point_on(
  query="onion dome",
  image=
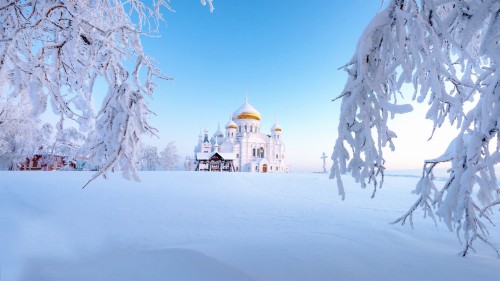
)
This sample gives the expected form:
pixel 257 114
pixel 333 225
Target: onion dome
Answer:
pixel 218 133
pixel 231 124
pixel 246 111
pixel 276 127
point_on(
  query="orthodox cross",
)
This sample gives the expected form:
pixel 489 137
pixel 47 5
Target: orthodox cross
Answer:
pixel 323 156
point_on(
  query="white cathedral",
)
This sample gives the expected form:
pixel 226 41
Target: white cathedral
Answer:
pixel 243 148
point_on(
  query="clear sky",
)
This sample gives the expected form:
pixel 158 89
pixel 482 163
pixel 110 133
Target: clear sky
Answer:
pixel 286 54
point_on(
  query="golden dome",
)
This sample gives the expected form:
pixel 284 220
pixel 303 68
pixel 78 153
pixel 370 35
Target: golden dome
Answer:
pixel 249 115
pixel 276 127
pixel 246 111
pixel 231 124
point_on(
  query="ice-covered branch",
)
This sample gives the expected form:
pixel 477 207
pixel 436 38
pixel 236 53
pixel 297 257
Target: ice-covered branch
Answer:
pixel 425 189
pixel 54 51
pixel 394 49
pixel 449 51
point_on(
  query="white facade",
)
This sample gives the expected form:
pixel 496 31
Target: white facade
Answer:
pixel 243 141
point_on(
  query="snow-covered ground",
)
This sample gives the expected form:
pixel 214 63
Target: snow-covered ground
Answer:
pixel 222 226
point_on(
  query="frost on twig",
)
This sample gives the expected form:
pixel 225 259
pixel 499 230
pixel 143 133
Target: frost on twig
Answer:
pixel 425 189
pixel 449 52
pixel 54 51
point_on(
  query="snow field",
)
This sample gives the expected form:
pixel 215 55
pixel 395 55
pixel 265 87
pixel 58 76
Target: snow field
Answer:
pixel 222 226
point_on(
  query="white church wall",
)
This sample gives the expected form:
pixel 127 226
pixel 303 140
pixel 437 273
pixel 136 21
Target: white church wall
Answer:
pixel 252 148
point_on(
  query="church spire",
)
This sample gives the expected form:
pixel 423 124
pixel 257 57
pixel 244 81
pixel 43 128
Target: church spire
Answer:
pixel 276 128
pixel 231 124
pixel 206 135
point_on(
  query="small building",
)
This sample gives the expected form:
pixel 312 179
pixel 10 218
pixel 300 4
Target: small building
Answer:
pixel 42 163
pixel 215 162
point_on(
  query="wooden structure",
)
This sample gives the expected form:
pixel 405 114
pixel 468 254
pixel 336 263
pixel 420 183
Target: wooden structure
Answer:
pixel 215 162
pixel 42 163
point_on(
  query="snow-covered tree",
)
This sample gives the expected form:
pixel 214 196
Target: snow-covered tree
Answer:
pixel 449 51
pixel 20 136
pixel 188 164
pixel 67 144
pixel 169 157
pixel 55 50
pixel 149 159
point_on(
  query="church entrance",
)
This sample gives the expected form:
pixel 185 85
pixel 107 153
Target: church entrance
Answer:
pixel 264 168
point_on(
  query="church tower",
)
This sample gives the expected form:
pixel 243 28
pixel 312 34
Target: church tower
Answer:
pixel 231 128
pixel 248 119
pixel 206 146
pixel 276 131
pixel 218 136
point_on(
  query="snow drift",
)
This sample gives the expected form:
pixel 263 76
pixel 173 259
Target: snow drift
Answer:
pixel 221 226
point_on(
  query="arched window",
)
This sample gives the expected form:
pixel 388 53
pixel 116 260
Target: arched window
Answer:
pixel 246 129
pixel 251 129
pixel 239 129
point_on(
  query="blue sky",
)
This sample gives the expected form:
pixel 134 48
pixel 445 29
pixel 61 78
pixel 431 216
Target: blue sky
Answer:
pixel 286 54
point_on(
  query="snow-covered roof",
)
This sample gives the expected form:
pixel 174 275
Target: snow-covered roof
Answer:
pixel 228 156
pixel 246 111
pixel 206 156
pixel 203 156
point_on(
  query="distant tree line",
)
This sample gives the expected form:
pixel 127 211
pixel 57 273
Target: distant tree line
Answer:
pixel 23 137
pixel 166 160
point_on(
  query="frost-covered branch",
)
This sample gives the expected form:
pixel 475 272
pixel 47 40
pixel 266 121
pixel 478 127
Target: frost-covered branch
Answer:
pixel 55 51
pixel 449 51
pixel 425 188
pixel 20 137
